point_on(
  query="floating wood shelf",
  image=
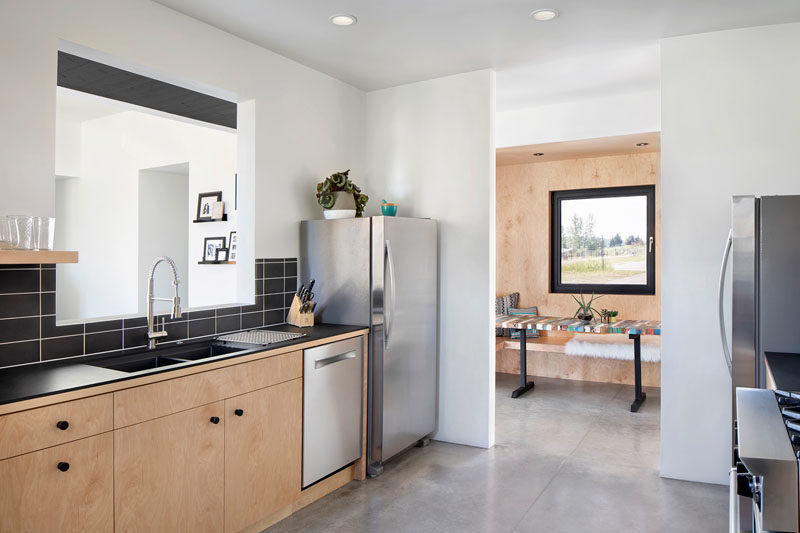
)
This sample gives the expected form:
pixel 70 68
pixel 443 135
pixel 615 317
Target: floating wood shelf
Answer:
pixel 223 219
pixel 216 262
pixel 35 257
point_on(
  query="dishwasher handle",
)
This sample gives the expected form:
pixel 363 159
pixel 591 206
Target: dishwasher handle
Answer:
pixel 325 361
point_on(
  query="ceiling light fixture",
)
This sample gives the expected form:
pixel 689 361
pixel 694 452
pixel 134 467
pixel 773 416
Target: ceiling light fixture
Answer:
pixel 543 15
pixel 343 19
pixel 642 144
pixel 537 154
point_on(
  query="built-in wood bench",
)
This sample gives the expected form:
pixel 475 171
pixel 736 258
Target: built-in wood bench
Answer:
pixel 550 359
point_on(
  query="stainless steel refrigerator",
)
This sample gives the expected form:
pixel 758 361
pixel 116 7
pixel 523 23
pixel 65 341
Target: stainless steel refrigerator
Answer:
pixel 382 272
pixel 763 251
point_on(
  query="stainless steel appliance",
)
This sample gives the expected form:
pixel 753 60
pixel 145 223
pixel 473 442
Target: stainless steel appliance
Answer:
pixel 764 481
pixel 382 272
pixel 763 256
pixel 332 393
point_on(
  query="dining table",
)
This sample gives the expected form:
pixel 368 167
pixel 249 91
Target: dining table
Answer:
pixel 633 328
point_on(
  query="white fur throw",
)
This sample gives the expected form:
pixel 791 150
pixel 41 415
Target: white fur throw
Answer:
pixel 605 350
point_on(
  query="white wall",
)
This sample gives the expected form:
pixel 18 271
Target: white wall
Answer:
pixel 114 149
pixel 430 148
pixel 592 118
pixel 730 117
pixel 307 126
pixel 164 217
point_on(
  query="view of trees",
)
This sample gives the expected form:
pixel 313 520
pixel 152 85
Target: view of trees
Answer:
pixel 580 237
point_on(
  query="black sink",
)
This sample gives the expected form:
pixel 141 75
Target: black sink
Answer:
pixel 165 356
pixel 136 363
pixel 199 350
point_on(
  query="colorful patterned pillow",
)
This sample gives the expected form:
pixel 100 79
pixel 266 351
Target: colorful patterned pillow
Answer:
pixel 502 304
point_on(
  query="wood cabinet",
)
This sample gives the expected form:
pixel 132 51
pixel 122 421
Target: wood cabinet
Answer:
pixel 216 449
pixel 169 472
pixel 34 429
pixel 65 488
pixel 263 453
pixel 146 402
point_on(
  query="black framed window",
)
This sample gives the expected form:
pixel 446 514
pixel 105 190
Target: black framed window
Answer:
pixel 603 240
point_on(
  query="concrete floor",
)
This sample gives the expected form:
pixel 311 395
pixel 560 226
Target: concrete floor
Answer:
pixel 570 457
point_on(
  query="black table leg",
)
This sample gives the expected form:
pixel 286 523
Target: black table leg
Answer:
pixel 524 384
pixel 637 369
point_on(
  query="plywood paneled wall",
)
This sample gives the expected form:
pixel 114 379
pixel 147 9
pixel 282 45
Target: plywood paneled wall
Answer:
pixel 523 227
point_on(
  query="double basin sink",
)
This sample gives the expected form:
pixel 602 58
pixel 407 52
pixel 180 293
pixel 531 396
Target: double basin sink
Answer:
pixel 167 356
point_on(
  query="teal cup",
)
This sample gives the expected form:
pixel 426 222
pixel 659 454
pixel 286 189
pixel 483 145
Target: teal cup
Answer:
pixel 389 210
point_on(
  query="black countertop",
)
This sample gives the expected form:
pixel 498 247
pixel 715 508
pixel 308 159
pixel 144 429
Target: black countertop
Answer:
pixel 785 370
pixel 41 379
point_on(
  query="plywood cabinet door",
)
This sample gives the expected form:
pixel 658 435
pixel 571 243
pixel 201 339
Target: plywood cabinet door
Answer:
pixel 169 472
pixel 64 488
pixel 263 453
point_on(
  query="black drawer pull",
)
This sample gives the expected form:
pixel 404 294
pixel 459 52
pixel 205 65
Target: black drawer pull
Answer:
pixel 214 420
pixel 63 466
pixel 62 425
pixel 239 412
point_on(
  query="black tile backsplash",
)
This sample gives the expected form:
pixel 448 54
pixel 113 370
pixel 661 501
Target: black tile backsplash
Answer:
pixel 62 347
pixel 15 281
pixel 16 305
pixel 28 330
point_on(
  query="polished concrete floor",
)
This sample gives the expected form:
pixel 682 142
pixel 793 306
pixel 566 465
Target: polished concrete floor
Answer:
pixel 570 457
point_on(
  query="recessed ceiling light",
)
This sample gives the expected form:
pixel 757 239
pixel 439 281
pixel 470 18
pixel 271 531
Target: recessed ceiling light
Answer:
pixel 343 19
pixel 543 15
pixel 537 154
pixel 642 144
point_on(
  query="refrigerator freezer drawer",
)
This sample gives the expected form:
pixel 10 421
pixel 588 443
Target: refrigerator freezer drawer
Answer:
pixel 332 403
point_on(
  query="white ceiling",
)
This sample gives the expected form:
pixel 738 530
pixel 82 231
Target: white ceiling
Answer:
pixel 596 47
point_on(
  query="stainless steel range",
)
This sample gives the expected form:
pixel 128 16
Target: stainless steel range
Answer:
pixel 764 482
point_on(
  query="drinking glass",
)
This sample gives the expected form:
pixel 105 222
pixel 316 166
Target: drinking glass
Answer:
pixel 9 233
pixel 24 225
pixel 44 233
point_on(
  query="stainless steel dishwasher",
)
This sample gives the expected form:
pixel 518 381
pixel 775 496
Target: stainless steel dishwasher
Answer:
pixel 332 407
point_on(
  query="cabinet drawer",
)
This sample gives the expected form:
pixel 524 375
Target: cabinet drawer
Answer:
pixel 146 402
pixel 41 493
pixel 39 428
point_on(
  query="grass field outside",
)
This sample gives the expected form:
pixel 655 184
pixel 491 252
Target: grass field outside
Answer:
pixel 626 268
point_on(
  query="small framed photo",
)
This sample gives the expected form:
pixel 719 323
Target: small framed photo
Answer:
pixel 232 247
pixel 217 210
pixel 210 247
pixel 205 204
pixel 222 255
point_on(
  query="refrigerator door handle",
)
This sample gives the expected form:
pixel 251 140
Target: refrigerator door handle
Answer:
pixel 726 352
pixel 389 316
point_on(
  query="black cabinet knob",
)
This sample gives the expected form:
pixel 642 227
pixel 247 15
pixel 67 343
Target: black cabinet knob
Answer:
pixel 215 420
pixel 62 425
pixel 239 412
pixel 63 466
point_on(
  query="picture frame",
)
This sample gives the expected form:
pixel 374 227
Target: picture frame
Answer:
pixel 232 247
pixel 217 210
pixel 205 201
pixel 221 255
pixel 210 247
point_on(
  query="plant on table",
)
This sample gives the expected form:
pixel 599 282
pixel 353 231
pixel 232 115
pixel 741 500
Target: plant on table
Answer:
pixel 340 182
pixel 585 310
pixel 612 316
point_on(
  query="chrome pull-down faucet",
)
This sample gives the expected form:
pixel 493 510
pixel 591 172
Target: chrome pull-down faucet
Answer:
pixel 152 334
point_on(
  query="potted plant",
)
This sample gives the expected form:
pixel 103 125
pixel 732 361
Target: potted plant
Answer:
pixel 585 310
pixel 612 316
pixel 336 188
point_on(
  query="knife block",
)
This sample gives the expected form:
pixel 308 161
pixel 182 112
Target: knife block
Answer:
pixel 296 318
